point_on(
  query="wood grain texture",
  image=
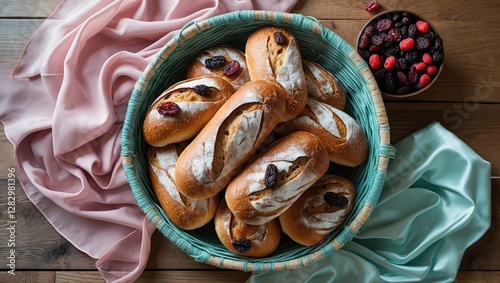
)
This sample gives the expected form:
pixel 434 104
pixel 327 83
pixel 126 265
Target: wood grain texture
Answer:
pixel 465 99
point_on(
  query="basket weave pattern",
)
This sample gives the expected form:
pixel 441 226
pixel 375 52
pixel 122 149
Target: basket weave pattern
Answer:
pixel 317 43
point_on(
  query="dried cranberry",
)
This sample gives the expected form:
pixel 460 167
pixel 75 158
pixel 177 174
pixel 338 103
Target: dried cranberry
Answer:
pixel 413 75
pixel 377 40
pixel 231 68
pixel 370 30
pixel 215 62
pixel 384 25
pixel 373 49
pixel 202 90
pixel 168 108
pixel 422 43
pixel 403 90
pixel 395 34
pixel 271 176
pixel 412 31
pixel 364 40
pixel 402 78
pixel 405 21
pixel 335 199
pixel 242 245
pixel 372 6
pixel 280 38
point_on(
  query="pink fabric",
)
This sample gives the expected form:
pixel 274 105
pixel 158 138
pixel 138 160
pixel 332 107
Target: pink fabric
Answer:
pixel 63 109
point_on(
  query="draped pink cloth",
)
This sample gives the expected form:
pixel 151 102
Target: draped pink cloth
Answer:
pixel 63 107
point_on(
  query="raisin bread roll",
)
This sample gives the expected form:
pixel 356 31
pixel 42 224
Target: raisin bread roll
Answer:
pixel 319 211
pixel 233 135
pixel 182 110
pixel 222 61
pixel 243 239
pixel 323 86
pixel 276 177
pixel 184 212
pixel 273 54
pixel 342 135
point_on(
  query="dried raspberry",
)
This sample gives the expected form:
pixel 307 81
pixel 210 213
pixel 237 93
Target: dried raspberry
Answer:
pixel 374 61
pixel 425 79
pixel 422 26
pixel 406 44
pixel 389 62
pixel 231 68
pixel 168 108
pixel 431 69
pixel 420 66
pixel 427 58
pixel 372 6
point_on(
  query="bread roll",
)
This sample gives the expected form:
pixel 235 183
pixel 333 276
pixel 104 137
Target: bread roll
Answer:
pixel 214 60
pixel 276 177
pixel 342 135
pixel 184 212
pixel 320 210
pixel 243 239
pixel 323 86
pixel 209 163
pixel 273 54
pixel 195 101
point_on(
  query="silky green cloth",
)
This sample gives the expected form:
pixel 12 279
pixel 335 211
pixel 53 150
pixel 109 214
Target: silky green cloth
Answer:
pixel 435 203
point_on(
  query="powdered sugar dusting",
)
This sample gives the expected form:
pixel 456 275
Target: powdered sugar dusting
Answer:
pixel 290 75
pixel 323 223
pixel 202 163
pixel 326 114
pixel 324 82
pixel 167 159
pixel 188 109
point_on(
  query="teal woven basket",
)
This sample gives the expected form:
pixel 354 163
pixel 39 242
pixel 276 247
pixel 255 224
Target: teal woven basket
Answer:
pixel 317 43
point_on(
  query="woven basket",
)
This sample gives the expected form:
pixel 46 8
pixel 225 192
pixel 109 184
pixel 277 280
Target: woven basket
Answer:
pixel 317 43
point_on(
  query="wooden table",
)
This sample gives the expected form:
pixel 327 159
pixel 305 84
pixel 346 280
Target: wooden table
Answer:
pixel 466 100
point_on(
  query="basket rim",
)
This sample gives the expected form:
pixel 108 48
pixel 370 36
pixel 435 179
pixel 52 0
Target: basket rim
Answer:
pixel 385 153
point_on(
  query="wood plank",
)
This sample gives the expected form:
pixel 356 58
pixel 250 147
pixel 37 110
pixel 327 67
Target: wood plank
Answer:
pixel 483 255
pixel 171 276
pixel 449 10
pixel 478 276
pixel 14 35
pixel 479 128
pixel 321 9
pixel 27 8
pixel 29 277
pixel 50 251
pixel 471 66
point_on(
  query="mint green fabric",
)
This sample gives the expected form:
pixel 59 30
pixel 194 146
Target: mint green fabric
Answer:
pixel 435 203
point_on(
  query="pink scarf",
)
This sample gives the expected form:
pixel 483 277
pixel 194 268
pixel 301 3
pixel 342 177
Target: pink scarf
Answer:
pixel 63 110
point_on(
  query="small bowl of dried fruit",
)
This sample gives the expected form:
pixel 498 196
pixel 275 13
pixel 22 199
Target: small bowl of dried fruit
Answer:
pixel 403 50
